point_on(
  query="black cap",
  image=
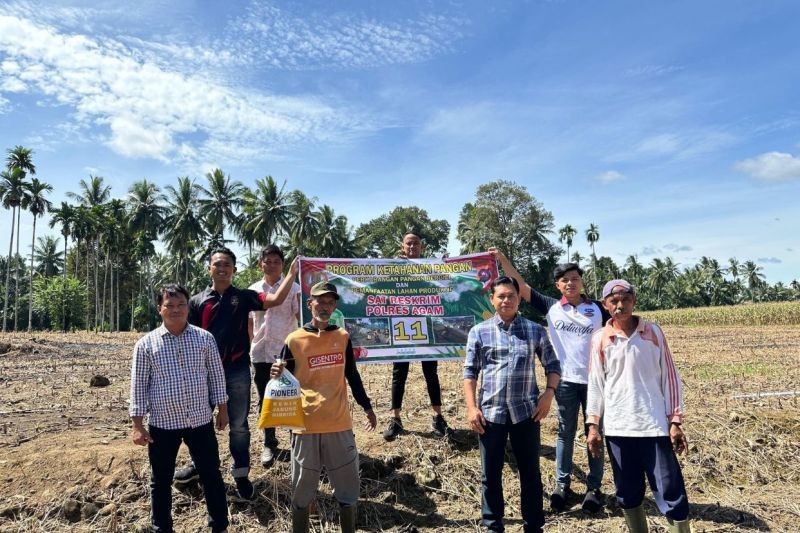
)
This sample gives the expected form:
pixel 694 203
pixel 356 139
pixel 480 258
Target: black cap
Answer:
pixel 563 268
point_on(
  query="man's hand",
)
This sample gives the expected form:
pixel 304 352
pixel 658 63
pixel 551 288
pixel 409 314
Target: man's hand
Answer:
pixel 679 443
pixel 276 369
pixel 594 441
pixel 372 420
pixel 476 420
pixel 222 416
pixel 141 436
pixel 498 255
pixel 543 404
pixel 294 267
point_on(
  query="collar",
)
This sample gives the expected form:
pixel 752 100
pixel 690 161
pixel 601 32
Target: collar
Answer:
pixel 162 330
pixel 614 331
pixel 584 300
pixel 309 326
pixel 499 321
pixel 267 284
pixel 210 290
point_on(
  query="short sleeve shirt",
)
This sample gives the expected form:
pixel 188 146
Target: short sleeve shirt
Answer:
pixel 225 316
pixel 272 326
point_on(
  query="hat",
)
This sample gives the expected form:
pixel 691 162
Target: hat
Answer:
pixel 324 287
pixel 563 268
pixel 616 286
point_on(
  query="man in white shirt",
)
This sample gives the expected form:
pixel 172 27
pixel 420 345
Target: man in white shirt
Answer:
pixel 636 390
pixel 268 331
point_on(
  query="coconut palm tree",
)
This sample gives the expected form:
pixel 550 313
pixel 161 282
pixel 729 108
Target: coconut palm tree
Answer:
pixel 754 277
pixel 12 191
pixel 305 224
pixel 21 158
pixel 267 211
pixel 592 236
pixel 576 257
pixel 49 260
pixel 565 235
pixel 37 204
pixel 223 199
pixel 146 209
pixel 182 227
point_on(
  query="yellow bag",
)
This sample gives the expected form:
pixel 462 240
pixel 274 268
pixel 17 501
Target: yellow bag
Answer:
pixel 282 407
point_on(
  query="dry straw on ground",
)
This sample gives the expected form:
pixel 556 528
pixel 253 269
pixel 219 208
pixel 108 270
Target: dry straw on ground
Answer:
pixel 67 462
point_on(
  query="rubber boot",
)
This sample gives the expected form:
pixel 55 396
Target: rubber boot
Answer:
pixel 636 520
pixel 679 526
pixel 347 518
pixel 299 520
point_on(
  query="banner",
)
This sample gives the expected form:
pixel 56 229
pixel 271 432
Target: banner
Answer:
pixel 405 309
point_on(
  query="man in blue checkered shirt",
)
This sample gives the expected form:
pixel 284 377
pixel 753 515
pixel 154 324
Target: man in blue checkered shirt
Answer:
pixel 177 379
pixel 503 349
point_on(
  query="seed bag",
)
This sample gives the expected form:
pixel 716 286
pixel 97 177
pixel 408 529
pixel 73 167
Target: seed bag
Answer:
pixel 282 405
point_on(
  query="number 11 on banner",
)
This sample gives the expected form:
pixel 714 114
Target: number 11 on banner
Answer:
pixel 410 331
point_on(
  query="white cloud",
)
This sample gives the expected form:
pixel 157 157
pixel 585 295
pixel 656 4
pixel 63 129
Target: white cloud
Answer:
pixel 770 260
pixel 650 250
pixel 771 166
pixel 147 110
pixel 677 247
pixel 610 176
pixel 664 144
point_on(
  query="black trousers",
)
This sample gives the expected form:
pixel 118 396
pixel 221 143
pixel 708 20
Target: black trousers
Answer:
pixel 400 375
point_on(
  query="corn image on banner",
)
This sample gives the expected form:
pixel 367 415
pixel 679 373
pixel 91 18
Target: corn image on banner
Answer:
pixel 405 309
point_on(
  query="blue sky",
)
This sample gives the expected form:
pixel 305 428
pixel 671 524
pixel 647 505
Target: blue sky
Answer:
pixel 674 126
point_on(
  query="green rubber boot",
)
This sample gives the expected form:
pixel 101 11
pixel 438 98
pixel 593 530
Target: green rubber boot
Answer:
pixel 636 520
pixel 679 526
pixel 347 518
pixel 299 520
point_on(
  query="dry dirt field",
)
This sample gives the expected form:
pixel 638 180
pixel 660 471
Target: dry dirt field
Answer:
pixel 67 462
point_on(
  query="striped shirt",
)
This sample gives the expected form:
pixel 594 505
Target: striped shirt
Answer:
pixel 176 379
pixel 633 383
pixel 505 356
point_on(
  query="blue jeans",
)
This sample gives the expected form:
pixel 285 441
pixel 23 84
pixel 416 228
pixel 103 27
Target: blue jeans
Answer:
pixel 237 384
pixel 202 444
pixel 525 442
pixel 571 397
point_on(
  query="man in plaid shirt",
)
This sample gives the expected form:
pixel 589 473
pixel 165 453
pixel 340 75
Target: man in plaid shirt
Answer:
pixel 176 379
pixel 503 349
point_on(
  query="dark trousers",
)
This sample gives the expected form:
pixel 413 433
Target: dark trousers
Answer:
pixel 400 375
pixel 525 441
pixel 261 378
pixel 163 451
pixel 635 458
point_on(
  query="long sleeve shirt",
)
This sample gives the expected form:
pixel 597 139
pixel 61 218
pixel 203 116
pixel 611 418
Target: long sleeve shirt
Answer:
pixel 571 328
pixel 322 361
pixel 176 379
pixel 634 385
pixel 505 356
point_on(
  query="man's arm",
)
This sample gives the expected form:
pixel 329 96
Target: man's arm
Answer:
pixel 357 386
pixel 595 400
pixel 672 390
pixel 552 368
pixel 140 380
pixel 540 302
pixel 275 299
pixel 472 368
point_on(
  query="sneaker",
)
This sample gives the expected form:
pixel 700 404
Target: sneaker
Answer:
pixel 558 499
pixel 244 489
pixel 394 428
pixel 593 501
pixel 185 475
pixel 267 457
pixel 439 426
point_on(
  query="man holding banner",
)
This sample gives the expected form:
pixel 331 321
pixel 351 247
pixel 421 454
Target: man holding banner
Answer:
pixel 412 248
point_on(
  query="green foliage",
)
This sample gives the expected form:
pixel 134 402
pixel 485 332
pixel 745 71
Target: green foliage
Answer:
pixel 60 302
pixel 382 236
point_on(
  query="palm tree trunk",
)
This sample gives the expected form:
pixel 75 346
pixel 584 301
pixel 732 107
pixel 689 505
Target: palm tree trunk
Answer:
pixel 30 299
pixel 103 296
pixel 88 309
pixel 96 248
pixel 64 287
pixel 16 277
pixel 8 269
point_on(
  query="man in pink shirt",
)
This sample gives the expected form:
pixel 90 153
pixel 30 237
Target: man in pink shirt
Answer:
pixel 635 389
pixel 268 332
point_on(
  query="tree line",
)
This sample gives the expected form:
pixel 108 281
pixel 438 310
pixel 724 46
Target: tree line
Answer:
pixel 98 271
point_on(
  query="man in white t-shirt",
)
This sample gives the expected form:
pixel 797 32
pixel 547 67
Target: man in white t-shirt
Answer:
pixel 268 331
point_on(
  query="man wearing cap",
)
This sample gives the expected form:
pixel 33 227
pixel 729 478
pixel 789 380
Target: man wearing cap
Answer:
pixel 571 321
pixel 635 390
pixel 268 332
pixel 320 355
pixel 503 351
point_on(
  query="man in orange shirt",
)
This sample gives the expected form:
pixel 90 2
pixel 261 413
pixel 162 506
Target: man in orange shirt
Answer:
pixel 320 355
